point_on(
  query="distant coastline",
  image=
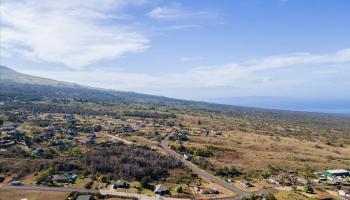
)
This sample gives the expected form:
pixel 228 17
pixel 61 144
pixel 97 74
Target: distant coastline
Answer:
pixel 334 106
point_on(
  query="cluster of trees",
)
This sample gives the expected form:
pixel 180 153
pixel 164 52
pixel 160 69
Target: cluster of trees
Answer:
pixel 41 122
pixel 260 197
pixel 204 163
pixel 15 117
pixel 128 162
pixel 56 108
pixel 88 129
pixel 207 151
pixel 181 136
pixel 149 114
pixel 231 172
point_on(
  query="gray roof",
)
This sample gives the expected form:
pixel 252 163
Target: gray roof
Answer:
pixel 336 171
pixel 160 188
pixel 84 197
pixel 60 177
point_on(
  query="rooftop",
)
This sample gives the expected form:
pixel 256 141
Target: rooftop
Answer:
pixel 335 171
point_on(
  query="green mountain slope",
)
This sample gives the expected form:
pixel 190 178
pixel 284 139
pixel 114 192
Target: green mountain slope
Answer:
pixel 21 92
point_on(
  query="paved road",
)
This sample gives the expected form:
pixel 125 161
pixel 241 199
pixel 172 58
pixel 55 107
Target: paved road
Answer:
pixel 102 192
pixel 113 137
pixel 44 188
pixel 138 196
pixel 203 174
pixel 209 177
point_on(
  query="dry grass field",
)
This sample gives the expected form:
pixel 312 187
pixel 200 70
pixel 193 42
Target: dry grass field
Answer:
pixel 31 195
pixel 256 151
pixel 257 144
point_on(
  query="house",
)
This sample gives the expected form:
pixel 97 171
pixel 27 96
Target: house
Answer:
pixel 60 144
pixel 246 183
pixel 208 191
pixel 91 135
pixel 304 181
pixel 64 178
pixel 60 178
pixel 274 181
pixel 90 140
pixel 119 184
pixel 38 152
pixel 10 127
pixel 6 143
pixel 187 157
pixel 321 178
pixel 214 191
pixel 44 136
pixel 85 197
pixel 344 193
pixel 337 173
pixel 160 189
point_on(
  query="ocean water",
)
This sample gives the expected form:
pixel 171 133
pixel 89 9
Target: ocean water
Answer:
pixel 322 105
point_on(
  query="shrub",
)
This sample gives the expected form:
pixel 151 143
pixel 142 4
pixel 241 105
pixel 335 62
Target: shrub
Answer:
pixel 43 175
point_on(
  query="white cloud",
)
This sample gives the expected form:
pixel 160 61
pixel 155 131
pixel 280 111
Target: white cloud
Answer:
pixel 279 61
pixel 257 77
pixel 179 27
pixel 75 33
pixel 175 11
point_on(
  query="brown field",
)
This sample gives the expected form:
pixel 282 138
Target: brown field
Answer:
pixel 290 195
pixel 31 195
pixel 255 151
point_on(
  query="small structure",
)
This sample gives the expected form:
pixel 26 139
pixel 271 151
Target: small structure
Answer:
pixel 337 173
pixel 274 181
pixel 38 152
pixel 2 179
pixel 321 178
pixel 344 193
pixel 246 183
pixel 85 197
pixel 187 157
pixel 208 191
pixel 6 143
pixel 16 183
pixel 60 178
pixel 120 184
pixel 64 178
pixel 303 181
pixel 160 189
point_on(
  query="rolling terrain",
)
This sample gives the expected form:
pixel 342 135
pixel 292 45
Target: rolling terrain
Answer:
pixel 49 128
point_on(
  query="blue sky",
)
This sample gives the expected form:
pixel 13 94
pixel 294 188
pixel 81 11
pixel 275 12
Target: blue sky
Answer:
pixel 200 49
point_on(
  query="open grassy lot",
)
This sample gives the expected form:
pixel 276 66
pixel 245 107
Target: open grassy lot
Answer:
pixel 252 151
pixel 290 195
pixel 31 195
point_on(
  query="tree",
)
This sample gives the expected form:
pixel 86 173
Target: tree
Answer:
pixel 43 175
pixel 309 189
pixel 145 182
pixel 270 197
pixel 260 197
pixel 88 185
pixel 179 189
pixel 103 179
